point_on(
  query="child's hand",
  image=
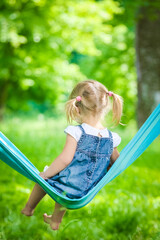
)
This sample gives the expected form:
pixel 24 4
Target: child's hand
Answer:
pixel 42 174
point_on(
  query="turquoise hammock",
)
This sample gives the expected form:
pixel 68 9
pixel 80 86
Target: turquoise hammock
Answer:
pixel 150 130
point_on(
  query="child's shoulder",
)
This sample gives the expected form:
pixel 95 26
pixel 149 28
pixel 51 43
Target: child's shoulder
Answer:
pixel 72 127
pixel 115 135
pixel 74 131
pixel 116 139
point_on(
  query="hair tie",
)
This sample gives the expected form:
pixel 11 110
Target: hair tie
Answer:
pixel 110 94
pixel 78 98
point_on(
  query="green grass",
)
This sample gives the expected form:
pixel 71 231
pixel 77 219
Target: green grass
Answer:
pixel 127 208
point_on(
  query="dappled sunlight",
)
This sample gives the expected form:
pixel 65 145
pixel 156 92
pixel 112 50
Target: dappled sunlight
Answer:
pixel 22 189
pixel 154 202
pixel 98 200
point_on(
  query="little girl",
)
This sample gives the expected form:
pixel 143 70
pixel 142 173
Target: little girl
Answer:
pixel 89 151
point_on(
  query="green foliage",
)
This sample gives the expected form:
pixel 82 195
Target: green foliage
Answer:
pixel 39 41
pixel 48 46
pixel 127 208
pixel 34 53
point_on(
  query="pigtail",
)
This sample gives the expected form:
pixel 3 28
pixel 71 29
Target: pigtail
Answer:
pixel 117 108
pixel 71 110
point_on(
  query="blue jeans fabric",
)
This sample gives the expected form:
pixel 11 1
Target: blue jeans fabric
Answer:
pixel 88 167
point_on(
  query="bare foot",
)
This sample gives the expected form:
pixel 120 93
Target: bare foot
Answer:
pixel 47 218
pixel 53 225
pixel 27 211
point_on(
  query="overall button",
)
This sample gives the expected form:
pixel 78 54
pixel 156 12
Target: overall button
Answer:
pixel 88 172
pixel 93 159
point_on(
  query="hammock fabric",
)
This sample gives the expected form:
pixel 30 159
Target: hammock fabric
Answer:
pixel 150 130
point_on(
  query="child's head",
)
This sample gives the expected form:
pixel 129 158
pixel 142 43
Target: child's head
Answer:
pixel 93 100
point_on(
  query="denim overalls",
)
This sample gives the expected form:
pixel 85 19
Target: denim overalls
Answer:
pixel 88 166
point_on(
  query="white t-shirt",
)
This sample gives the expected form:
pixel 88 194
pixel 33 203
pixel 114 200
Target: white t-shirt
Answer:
pixel 76 132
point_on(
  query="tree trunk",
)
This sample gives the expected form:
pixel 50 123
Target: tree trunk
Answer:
pixel 148 64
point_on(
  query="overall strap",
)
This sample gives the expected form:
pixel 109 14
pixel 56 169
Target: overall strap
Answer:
pixel 82 129
pixel 110 134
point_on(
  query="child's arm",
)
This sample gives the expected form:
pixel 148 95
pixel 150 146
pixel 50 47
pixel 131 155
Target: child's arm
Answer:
pixel 114 157
pixel 63 160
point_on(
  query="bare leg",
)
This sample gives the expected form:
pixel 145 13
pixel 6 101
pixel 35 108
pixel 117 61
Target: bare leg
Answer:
pixel 36 195
pixel 56 218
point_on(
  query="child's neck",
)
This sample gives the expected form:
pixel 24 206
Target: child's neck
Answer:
pixel 94 123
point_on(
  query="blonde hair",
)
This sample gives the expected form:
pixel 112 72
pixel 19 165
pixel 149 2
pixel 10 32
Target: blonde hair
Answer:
pixel 94 100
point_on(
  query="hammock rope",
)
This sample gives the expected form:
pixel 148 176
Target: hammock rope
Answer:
pixel 149 131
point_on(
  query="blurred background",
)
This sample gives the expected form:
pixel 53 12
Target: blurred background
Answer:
pixel 46 47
